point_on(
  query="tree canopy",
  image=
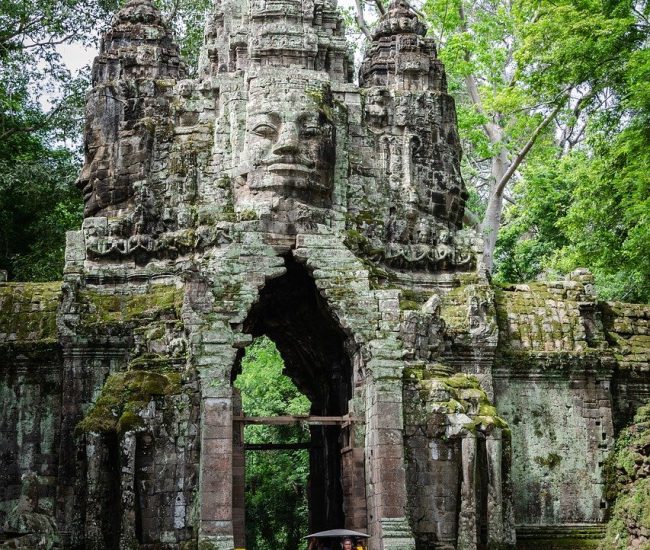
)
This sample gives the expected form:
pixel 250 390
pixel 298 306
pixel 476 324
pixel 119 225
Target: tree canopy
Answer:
pixel 553 111
pixel 40 110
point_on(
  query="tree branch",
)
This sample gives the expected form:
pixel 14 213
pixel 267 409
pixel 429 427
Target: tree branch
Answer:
pixel 34 127
pixel 361 20
pixel 498 190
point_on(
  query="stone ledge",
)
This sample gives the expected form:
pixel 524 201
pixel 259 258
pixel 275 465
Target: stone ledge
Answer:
pixel 559 537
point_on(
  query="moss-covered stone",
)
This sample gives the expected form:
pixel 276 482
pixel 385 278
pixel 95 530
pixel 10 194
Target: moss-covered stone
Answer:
pixel 462 381
pixel 123 396
pixel 627 484
pixel 28 311
pixel 460 393
pixel 111 309
pixel 406 305
pixel 550 461
pixel 151 361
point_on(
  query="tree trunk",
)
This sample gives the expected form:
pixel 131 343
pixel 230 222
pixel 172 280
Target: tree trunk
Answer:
pixel 502 171
pixel 492 219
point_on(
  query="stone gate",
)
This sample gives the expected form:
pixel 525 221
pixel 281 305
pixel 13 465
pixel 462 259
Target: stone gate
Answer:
pixel 273 195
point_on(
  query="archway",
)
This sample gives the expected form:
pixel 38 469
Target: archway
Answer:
pixel 276 454
pixel 291 312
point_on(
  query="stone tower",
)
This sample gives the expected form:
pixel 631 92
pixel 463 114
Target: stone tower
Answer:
pixel 274 196
pixel 271 195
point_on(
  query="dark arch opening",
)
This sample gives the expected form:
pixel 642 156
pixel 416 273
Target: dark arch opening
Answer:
pixel 276 458
pixel 291 312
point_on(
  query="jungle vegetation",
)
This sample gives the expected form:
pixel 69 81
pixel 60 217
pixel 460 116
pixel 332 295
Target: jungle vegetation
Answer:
pixel 276 481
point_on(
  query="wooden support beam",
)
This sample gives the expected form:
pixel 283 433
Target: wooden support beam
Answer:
pixel 297 419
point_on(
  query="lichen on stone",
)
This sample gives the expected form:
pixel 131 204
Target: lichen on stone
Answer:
pixel 123 396
pixel 627 484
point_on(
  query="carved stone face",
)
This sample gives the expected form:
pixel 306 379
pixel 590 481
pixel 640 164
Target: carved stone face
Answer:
pixel 100 188
pixel 88 183
pixel 112 163
pixel 288 146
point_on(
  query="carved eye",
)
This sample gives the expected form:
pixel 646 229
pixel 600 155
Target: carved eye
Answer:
pixel 311 131
pixel 265 130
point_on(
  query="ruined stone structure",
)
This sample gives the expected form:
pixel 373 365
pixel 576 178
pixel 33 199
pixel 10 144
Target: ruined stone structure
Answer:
pixel 272 195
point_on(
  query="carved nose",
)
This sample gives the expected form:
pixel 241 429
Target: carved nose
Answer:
pixel 288 142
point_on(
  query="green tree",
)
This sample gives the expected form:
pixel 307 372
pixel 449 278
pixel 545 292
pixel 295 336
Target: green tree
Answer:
pixel 528 77
pixel 588 204
pixel 550 99
pixel 40 124
pixel 276 481
pixel 38 203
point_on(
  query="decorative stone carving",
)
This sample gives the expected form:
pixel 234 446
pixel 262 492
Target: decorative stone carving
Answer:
pixel 289 148
pixel 136 54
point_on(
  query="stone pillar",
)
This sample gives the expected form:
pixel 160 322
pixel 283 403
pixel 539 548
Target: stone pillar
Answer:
pixel 238 477
pixel 216 474
pixel 501 529
pixel 443 466
pixel 467 517
pixel 387 523
pixel 95 520
pixel 354 488
pixel 494 451
pixel 128 446
pixel 214 357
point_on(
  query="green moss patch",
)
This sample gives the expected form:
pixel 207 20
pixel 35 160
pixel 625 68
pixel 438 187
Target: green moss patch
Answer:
pixel 627 481
pixel 407 305
pixel 460 393
pixel 28 311
pixel 111 309
pixel 550 461
pixel 123 396
pixel 462 381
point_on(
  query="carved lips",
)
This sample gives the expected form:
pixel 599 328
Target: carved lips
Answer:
pixel 292 166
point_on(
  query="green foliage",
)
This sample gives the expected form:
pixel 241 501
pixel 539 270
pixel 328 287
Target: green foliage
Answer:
pixel 589 209
pixel 276 481
pixel 38 204
pixel 627 483
pixel 40 109
pixel 580 199
pixel 592 207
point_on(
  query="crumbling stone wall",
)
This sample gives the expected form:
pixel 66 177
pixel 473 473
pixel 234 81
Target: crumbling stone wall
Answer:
pixel 30 393
pixel 627 329
pixel 558 378
pixel 626 476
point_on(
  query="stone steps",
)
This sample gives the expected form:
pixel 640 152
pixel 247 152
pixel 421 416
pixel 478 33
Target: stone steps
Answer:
pixel 559 537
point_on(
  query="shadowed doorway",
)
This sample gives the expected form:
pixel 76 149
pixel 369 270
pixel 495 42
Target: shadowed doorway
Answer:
pixel 292 314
